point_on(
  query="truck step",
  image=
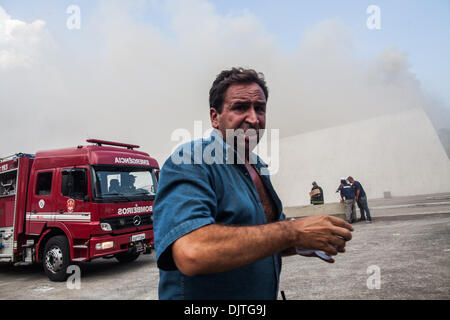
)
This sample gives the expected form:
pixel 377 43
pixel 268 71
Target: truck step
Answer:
pixel 80 246
pixel 22 263
pixel 79 259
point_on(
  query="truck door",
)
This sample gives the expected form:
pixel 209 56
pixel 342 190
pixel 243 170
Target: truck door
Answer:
pixel 42 206
pixel 8 183
pixel 73 200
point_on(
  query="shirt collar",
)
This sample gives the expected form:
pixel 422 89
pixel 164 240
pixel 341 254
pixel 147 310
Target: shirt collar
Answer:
pixel 228 151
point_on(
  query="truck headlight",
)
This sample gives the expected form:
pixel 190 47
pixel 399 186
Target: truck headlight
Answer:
pixel 105 226
pixel 104 245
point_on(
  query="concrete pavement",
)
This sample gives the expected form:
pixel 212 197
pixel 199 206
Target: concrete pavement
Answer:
pixel 409 257
pixel 380 208
pixel 406 248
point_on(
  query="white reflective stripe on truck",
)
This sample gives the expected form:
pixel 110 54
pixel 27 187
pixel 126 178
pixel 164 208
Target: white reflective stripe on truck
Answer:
pixel 52 216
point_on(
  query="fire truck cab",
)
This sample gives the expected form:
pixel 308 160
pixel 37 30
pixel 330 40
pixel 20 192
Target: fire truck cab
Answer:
pixel 62 207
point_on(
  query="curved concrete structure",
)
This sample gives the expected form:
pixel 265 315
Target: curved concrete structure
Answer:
pixel 398 153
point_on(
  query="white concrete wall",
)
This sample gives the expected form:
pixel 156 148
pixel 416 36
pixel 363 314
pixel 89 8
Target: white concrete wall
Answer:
pixel 400 153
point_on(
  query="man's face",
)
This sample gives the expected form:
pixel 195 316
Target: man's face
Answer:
pixel 350 180
pixel 244 107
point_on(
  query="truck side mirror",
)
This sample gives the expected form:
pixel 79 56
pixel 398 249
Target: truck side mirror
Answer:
pixel 157 174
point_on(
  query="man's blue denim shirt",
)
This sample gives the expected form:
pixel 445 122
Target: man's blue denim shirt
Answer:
pixel 196 193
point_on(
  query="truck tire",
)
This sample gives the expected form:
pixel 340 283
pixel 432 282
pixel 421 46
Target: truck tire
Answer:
pixel 56 258
pixel 124 257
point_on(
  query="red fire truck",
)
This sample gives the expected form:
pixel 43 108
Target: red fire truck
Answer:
pixel 66 206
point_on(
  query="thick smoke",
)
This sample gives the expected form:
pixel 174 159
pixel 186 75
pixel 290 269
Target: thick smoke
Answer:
pixel 135 83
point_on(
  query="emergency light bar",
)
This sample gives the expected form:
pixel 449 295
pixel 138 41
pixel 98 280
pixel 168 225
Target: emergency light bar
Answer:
pixel 17 155
pixel 111 143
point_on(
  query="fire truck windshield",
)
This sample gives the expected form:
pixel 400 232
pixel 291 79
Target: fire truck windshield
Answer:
pixel 118 183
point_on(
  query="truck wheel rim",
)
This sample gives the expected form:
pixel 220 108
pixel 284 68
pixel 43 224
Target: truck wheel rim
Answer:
pixel 54 260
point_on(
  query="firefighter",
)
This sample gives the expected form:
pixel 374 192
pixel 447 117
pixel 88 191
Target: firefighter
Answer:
pixel 348 199
pixel 114 186
pixel 128 183
pixel 316 194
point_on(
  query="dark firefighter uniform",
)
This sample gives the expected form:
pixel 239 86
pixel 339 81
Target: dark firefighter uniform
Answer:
pixel 318 197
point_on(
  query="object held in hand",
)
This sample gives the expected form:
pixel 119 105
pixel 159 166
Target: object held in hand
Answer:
pixel 308 253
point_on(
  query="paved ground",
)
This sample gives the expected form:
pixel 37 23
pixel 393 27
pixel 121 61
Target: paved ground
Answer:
pixel 412 257
pixel 100 279
pixel 408 243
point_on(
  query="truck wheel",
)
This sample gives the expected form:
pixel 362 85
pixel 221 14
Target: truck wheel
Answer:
pixel 56 258
pixel 127 256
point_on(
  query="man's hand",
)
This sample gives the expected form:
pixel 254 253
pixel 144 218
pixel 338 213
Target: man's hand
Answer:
pixel 218 248
pixel 322 232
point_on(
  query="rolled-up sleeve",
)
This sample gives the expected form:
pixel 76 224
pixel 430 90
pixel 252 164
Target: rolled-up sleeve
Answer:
pixel 185 201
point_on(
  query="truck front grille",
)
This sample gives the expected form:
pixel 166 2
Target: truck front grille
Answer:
pixel 126 222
